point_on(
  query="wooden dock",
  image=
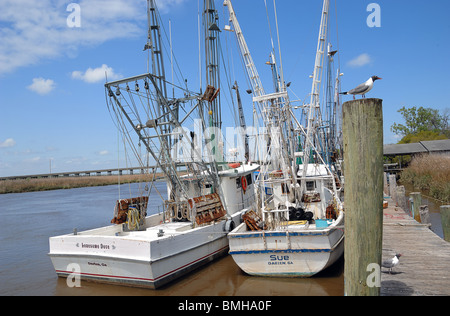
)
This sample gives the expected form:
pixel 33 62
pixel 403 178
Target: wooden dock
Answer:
pixel 424 268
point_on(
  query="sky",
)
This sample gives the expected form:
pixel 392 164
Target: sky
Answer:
pixel 54 55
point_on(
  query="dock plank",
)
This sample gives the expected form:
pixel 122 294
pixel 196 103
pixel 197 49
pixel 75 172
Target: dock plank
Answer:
pixel 424 267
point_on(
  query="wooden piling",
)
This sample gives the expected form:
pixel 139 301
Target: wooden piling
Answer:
pixel 386 185
pixel 416 202
pixel 363 162
pixel 401 197
pixel 393 187
pixel 445 219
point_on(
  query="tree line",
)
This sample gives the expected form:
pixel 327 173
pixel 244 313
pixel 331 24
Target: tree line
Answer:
pixel 422 124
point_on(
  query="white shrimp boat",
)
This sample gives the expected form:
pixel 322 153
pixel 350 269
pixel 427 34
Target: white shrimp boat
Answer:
pixel 296 248
pixel 162 249
pixel 297 228
pixel 206 196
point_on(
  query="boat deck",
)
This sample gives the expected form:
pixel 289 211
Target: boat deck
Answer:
pixel 424 267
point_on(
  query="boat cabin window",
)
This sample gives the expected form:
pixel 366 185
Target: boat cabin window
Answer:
pixel 310 185
pixel 249 179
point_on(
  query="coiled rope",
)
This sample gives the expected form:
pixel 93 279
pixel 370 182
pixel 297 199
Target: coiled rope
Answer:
pixel 133 218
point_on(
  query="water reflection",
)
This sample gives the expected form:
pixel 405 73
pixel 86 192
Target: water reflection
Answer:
pixel 224 278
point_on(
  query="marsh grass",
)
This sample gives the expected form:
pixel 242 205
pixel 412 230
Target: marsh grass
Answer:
pixel 430 173
pixel 44 184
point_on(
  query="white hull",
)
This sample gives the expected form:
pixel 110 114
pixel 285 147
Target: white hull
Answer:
pixel 139 258
pixel 286 253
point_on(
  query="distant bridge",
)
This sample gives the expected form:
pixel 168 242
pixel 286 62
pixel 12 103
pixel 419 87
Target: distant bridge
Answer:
pixel 102 172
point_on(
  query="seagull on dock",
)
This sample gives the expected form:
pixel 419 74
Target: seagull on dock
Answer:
pixel 391 263
pixel 363 88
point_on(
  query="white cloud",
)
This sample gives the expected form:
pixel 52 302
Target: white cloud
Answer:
pixel 164 6
pixel 8 143
pixel 32 31
pixel 103 153
pixel 42 86
pixel 96 74
pixel 360 61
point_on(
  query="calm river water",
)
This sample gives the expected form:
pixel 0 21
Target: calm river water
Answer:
pixel 29 219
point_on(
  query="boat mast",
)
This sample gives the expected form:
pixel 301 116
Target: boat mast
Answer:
pixel 158 71
pixel 314 115
pixel 155 47
pixel 154 44
pixel 213 115
pixel 243 125
pixel 269 104
pixel 331 105
pixel 252 72
pixel 288 145
pixel 275 112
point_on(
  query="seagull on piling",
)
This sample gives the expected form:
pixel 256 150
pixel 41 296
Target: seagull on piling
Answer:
pixel 363 88
pixel 391 263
